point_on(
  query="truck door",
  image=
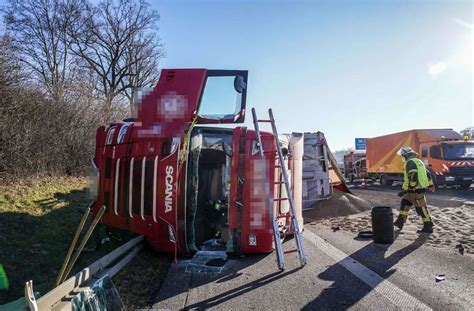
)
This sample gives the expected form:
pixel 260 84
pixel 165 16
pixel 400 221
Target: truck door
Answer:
pixel 199 95
pixel 236 201
pixel 181 99
pixel 258 195
pixel 224 97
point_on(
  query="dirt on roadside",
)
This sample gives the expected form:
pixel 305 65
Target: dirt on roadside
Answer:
pixel 141 279
pixel 453 219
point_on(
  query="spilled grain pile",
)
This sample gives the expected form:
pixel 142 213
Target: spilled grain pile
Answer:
pixel 340 204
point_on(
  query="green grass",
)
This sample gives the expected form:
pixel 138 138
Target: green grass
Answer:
pixel 37 223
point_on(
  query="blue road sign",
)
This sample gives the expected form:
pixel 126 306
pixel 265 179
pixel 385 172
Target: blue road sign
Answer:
pixel 360 143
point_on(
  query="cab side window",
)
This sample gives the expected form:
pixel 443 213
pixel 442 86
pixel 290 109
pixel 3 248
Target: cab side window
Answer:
pixel 435 152
pixel 424 152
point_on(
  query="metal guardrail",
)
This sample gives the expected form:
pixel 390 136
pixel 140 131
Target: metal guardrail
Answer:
pixel 53 299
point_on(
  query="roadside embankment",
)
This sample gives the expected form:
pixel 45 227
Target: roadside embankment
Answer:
pixel 38 219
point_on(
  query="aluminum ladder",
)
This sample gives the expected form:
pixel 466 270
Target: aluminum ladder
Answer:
pixel 294 221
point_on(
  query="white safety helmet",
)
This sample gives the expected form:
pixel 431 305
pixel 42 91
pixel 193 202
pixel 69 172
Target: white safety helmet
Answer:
pixel 406 151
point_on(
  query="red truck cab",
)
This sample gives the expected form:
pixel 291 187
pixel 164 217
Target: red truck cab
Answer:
pixel 181 184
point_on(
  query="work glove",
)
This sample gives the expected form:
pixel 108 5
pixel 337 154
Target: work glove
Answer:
pixel 401 193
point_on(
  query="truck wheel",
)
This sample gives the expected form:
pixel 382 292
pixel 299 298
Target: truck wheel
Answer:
pixel 384 180
pixel 465 186
pixel 434 179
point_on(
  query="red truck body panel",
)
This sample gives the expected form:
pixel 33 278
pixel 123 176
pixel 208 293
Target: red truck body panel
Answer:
pixel 143 168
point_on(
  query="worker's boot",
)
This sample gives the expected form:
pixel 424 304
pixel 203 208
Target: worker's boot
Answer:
pixel 399 222
pixel 427 227
pixel 402 217
pixel 427 223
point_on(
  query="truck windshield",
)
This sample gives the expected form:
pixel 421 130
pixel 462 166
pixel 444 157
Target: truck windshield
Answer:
pixel 220 100
pixel 458 151
pixel 223 98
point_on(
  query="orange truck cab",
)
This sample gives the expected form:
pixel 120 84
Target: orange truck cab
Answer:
pixel 448 156
pixel 355 166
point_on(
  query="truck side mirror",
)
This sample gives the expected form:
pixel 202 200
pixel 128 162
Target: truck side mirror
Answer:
pixel 239 84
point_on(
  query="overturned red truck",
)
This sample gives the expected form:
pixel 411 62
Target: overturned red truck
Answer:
pixel 181 184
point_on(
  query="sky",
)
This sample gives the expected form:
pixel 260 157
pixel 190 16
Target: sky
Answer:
pixel 346 68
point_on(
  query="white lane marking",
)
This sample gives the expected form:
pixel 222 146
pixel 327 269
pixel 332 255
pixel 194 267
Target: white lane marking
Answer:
pixel 393 293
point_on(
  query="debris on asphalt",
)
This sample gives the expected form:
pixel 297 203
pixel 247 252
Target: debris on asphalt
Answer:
pixel 460 248
pixel 440 277
pixel 331 287
pixel 334 229
pixel 216 262
pixel 456 220
pixel 207 262
pixel 212 242
pixel 365 234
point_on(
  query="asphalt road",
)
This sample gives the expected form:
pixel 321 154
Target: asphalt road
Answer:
pixel 343 272
pixel 442 197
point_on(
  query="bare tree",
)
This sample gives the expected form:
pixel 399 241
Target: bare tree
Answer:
pixel 78 54
pixel 11 71
pixel 142 60
pixel 39 30
pixel 107 36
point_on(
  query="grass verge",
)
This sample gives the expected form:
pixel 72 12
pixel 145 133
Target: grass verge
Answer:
pixel 38 219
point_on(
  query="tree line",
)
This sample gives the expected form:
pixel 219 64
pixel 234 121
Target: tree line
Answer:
pixel 67 67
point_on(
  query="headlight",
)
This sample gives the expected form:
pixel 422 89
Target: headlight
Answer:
pixel 94 181
pixel 252 239
pixel 449 178
pixel 171 236
pixel 122 132
pixel 174 144
pixel 110 135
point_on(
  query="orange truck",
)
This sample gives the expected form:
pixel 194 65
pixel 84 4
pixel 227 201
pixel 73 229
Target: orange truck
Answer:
pixel 355 166
pixel 448 156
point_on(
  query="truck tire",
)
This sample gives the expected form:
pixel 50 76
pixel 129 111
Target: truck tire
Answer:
pixel 434 178
pixel 384 181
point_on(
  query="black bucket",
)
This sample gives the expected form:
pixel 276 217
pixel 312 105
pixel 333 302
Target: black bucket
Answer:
pixel 382 225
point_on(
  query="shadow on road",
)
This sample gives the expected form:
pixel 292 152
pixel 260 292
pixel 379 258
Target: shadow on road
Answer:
pixel 178 282
pixel 245 288
pixel 372 255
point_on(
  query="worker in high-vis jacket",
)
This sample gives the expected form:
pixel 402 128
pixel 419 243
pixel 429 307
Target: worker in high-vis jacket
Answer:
pixel 417 181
